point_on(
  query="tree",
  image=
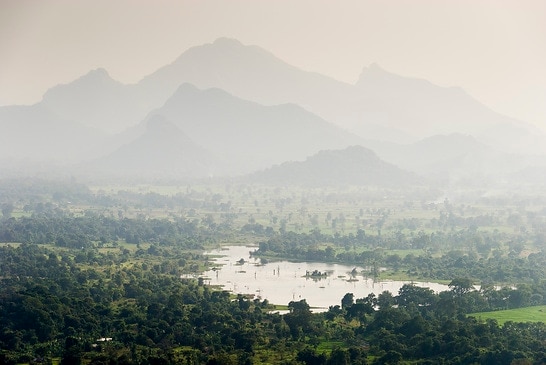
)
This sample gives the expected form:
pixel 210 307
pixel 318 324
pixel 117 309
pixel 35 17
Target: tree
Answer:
pixel 7 210
pixel 461 286
pixel 391 357
pixel 299 318
pixel 309 356
pixel 359 310
pixel 347 301
pixel 72 352
pixel 385 300
pixel 413 294
pixel 339 357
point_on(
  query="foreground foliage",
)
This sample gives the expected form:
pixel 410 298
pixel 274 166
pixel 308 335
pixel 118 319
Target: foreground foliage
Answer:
pixel 91 278
pixel 99 310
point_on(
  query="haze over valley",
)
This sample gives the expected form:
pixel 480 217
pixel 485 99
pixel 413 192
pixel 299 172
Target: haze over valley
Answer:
pixel 300 182
pixel 226 109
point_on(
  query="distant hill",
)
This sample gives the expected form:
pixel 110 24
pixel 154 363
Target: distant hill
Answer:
pixel 251 73
pixel 249 136
pixel 248 72
pixel 381 106
pixel 36 134
pixel 97 100
pixel 430 151
pixel 162 151
pixel 419 109
pixel 453 157
pixel 354 165
pixel 252 110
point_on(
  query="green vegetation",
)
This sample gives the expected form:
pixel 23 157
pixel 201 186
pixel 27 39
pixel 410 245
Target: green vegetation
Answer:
pixel 527 314
pixel 113 276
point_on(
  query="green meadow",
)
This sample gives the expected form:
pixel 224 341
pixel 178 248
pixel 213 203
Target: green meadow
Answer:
pixel 527 314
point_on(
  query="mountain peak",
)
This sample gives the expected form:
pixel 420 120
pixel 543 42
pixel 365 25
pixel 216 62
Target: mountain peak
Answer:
pixel 189 93
pixel 374 72
pixel 354 165
pixel 94 77
pixel 98 72
pixel 160 123
pixel 374 67
pixel 186 87
pixel 210 52
pixel 227 42
pixel 97 75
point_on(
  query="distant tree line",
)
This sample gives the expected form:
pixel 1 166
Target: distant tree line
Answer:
pixel 92 229
pixel 360 249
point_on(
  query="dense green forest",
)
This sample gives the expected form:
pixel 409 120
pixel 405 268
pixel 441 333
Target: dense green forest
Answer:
pixel 97 277
pixel 62 303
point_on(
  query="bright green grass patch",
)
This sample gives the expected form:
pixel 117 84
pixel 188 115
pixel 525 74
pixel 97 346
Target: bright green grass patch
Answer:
pixel 404 253
pixel 11 244
pixel 527 314
pixel 328 346
pixel 396 275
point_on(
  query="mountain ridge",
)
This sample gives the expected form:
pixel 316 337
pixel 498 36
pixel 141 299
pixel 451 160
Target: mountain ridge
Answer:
pixel 161 151
pixel 354 165
pixel 247 133
pixel 247 87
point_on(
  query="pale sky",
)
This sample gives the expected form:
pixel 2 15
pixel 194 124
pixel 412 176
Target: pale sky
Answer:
pixel 494 49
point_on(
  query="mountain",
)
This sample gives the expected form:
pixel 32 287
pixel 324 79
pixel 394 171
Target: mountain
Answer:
pixel 381 105
pixel 248 72
pixel 419 108
pixel 36 134
pixel 161 151
pixel 98 101
pixel 429 152
pixel 453 157
pixel 355 165
pixel 246 134
pixel 253 110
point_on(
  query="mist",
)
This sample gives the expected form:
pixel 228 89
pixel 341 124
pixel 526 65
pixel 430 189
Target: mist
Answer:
pixel 225 109
pixel 254 182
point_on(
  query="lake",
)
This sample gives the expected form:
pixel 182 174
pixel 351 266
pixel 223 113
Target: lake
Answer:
pixel 283 281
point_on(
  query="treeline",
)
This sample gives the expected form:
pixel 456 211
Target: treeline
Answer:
pixel 432 242
pixel 25 191
pixel 427 328
pixel 39 195
pixel 105 309
pixel 461 254
pixel 93 229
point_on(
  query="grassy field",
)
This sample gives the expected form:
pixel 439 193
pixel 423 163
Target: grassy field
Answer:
pixel 343 210
pixel 12 244
pixel 528 314
pixel 328 346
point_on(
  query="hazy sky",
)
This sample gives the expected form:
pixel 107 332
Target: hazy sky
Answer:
pixel 495 50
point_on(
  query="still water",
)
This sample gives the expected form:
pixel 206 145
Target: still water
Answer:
pixel 282 281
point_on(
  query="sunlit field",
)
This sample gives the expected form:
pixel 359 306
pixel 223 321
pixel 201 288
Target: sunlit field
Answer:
pixel 528 314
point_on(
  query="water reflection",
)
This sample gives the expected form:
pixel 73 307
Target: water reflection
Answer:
pixel 322 285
